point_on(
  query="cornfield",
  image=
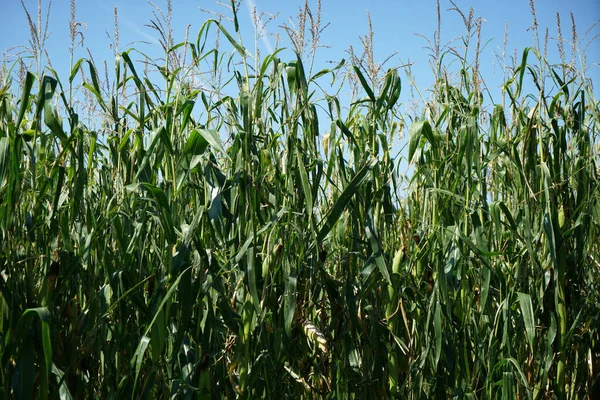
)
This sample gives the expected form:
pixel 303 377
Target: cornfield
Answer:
pixel 247 232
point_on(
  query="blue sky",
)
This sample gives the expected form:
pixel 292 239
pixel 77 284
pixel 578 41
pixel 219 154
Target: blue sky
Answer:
pixel 395 24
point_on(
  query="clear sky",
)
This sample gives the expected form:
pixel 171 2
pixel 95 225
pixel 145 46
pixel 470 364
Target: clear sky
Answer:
pixel 395 24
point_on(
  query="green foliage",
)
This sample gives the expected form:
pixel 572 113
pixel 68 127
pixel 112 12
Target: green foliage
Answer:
pixel 187 245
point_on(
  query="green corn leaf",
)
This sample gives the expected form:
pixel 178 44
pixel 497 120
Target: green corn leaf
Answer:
pixel 137 359
pixel 376 248
pixel 437 325
pixel 289 304
pixel 251 271
pixel 305 185
pixel 340 205
pixel 363 82
pixel 63 390
pixel 528 318
pixel 26 92
pixel 212 137
pixel 418 130
pixel 164 211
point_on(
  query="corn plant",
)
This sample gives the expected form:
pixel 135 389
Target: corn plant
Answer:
pixel 221 239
